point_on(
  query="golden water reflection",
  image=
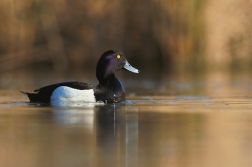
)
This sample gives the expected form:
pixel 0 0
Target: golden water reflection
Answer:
pixel 176 132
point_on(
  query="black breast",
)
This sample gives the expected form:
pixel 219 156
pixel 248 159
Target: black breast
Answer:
pixel 111 91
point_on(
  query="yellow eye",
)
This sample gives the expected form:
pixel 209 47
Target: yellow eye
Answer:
pixel 118 56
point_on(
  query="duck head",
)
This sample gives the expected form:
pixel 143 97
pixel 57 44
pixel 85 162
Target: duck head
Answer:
pixel 110 62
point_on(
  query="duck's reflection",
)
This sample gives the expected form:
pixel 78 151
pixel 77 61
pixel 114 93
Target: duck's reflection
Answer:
pixel 115 130
pixel 75 116
pixel 75 113
pixel 117 135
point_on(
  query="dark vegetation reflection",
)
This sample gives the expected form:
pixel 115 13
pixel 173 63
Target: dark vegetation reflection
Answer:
pixel 174 132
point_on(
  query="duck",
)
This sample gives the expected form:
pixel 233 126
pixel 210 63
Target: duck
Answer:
pixel 109 90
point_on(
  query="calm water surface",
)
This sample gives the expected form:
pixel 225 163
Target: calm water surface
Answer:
pixel 173 124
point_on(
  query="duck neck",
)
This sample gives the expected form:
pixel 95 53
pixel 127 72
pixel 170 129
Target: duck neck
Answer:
pixel 104 74
pixel 106 79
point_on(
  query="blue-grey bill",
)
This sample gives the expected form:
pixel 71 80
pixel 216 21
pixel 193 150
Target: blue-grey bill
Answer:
pixel 127 66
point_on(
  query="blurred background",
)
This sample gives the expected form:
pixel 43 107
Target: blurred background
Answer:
pixel 191 102
pixel 157 36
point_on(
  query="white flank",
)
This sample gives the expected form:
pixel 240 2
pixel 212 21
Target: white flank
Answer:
pixel 67 95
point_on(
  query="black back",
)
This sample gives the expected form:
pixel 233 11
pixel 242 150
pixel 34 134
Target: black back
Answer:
pixel 43 94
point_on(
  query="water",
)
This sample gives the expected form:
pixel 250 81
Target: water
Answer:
pixel 173 124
